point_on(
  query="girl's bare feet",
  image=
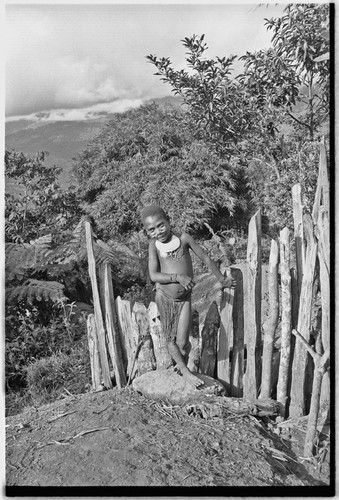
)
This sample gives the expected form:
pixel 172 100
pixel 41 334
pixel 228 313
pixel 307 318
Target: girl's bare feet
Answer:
pixel 191 378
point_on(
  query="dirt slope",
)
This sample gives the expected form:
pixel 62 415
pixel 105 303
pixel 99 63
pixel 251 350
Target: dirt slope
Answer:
pixel 120 438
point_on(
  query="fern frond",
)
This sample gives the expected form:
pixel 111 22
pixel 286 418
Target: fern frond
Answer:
pixel 125 264
pixel 33 290
pixel 43 241
pixel 19 257
pixel 72 249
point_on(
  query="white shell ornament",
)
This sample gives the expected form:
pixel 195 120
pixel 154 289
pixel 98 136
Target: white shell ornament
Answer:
pixel 173 248
pixel 172 245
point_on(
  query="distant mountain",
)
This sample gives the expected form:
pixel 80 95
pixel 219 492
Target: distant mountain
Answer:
pixel 62 139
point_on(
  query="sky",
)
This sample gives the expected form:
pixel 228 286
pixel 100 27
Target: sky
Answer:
pixel 68 59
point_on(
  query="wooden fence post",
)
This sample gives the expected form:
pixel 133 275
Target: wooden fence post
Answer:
pixel 323 231
pixel 237 365
pixel 93 352
pixel 272 322
pixel 128 346
pixel 194 355
pixel 320 363
pixel 253 328
pixel 162 356
pixel 225 338
pixel 297 406
pixel 97 309
pixel 209 333
pixel 112 328
pixel 141 333
pixel 298 237
pixel 321 217
pixel 286 314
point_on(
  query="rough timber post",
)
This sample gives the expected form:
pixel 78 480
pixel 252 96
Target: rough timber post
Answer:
pixel 162 356
pixel 298 237
pixel 97 309
pixel 209 334
pixel 93 352
pixel 194 355
pixel 272 322
pixel 286 316
pixel 128 346
pixel 237 365
pixel 141 332
pixel 225 338
pixel 112 328
pixel 253 328
pixel 297 406
pixel 321 217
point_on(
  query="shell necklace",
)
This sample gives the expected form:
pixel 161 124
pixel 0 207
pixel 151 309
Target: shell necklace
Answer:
pixel 173 248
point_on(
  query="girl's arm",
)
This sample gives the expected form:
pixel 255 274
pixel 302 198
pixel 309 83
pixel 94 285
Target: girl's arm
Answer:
pixel 227 282
pixel 164 278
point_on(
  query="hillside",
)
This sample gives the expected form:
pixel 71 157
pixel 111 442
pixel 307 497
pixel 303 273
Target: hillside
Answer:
pixel 62 139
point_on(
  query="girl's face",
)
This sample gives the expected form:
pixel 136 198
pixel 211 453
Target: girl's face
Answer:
pixel 158 227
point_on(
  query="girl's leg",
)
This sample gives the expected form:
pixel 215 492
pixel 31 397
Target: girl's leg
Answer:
pixel 183 330
pixel 179 350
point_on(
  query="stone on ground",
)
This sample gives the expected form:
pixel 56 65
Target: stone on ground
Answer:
pixel 168 384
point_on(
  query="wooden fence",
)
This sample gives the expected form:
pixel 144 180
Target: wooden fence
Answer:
pixel 232 345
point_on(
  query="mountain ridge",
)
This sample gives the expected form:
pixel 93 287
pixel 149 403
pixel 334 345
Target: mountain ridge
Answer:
pixel 62 139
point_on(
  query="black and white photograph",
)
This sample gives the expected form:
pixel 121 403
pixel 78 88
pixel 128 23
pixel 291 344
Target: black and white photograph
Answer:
pixel 168 229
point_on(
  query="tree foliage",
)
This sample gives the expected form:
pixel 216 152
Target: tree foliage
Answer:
pixel 38 203
pixel 289 75
pixel 152 155
pixel 260 117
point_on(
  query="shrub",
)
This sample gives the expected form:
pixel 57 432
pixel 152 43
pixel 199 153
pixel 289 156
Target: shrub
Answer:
pixel 27 340
pixel 48 378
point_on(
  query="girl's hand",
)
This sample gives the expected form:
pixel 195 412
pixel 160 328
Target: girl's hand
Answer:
pixel 185 281
pixel 227 282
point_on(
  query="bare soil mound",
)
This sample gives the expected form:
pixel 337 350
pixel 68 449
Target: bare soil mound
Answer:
pixel 120 438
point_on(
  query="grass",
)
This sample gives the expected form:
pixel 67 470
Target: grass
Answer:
pixel 51 378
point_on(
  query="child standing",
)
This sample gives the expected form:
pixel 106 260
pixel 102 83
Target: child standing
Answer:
pixel 170 267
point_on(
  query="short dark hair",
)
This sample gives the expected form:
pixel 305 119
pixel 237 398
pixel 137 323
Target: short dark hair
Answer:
pixel 151 210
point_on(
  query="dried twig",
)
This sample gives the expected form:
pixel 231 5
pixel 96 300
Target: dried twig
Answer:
pixel 82 433
pixel 62 415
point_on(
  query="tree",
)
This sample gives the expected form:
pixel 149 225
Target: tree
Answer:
pixel 38 204
pixel 220 107
pixel 151 155
pixel 291 75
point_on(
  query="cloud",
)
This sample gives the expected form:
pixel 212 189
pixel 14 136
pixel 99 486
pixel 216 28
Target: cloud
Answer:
pixel 86 113
pixel 83 82
pixel 61 56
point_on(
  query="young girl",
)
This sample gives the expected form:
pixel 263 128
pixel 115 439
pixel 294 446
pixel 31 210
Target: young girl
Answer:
pixel 170 267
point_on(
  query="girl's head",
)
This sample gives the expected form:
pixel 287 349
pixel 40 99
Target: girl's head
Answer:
pixel 156 223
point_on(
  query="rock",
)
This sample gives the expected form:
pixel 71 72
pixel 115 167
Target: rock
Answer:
pixel 168 384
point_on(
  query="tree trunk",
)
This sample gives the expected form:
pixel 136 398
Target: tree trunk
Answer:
pixel 253 330
pixel 286 310
pixel 271 325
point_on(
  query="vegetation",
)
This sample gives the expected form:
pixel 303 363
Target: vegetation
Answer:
pixel 152 155
pixel 239 144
